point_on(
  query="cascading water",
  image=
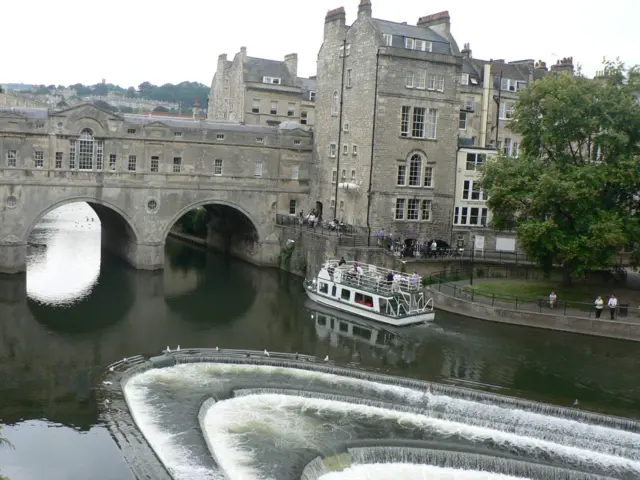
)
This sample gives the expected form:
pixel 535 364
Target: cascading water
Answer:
pixel 242 417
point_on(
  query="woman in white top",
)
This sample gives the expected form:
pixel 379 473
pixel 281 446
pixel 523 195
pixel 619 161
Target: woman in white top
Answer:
pixel 599 306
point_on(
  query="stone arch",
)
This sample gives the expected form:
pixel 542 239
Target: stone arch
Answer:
pixel 204 203
pixel 91 123
pixel 93 202
pixel 416 163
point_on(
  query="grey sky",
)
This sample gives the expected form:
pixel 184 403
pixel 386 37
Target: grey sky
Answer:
pixel 128 42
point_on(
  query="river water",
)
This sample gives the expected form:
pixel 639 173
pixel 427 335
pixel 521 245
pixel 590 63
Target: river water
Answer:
pixel 79 310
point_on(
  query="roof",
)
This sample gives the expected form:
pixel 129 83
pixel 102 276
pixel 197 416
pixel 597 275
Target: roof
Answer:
pixel 508 70
pixel 27 112
pixel 203 124
pixel 402 30
pixel 256 68
pixel 308 85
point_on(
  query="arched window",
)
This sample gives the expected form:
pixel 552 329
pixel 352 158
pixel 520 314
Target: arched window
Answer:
pixel 90 151
pixel 336 103
pixel 415 170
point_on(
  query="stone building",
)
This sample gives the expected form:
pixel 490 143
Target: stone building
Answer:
pixel 387 114
pixel 257 91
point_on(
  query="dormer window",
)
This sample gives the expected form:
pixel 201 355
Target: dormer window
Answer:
pixel 388 39
pixel 272 80
pixel 417 44
pixel 464 79
pixel 509 85
pixel 312 95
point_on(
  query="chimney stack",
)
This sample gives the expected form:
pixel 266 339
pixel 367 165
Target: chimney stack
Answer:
pixel 364 10
pixel 439 22
pixel 334 22
pixel 291 61
pixel 564 66
pixel 466 51
pixel 243 51
pixel 195 109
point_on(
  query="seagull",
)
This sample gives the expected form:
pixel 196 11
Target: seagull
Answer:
pixel 167 350
pixel 575 402
pixel 111 369
pixel 296 355
pixel 265 352
pixel 107 383
pixel 178 349
pixel 326 359
pixel 124 359
pixel 217 349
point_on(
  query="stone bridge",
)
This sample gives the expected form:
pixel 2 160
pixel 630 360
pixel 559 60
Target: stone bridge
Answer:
pixel 141 174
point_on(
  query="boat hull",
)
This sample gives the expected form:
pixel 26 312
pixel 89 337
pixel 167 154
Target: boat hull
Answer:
pixel 344 307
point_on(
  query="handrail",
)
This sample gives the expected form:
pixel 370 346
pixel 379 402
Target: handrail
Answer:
pixel 373 278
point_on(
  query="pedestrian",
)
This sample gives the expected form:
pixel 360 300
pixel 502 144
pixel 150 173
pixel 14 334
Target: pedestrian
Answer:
pixel 552 299
pixel 599 306
pixel 381 237
pixel 612 304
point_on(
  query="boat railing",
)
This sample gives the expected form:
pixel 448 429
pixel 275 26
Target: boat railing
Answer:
pixel 372 278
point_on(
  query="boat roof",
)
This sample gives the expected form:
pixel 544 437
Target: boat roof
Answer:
pixel 368 267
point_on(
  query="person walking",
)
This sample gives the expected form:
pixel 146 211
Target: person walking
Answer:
pixel 599 306
pixel 552 299
pixel 612 304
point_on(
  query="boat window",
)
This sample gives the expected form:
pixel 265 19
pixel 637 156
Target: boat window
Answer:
pixel 324 288
pixel 362 299
pixel 322 320
pixel 383 305
pixel 333 291
pixel 345 294
pixel 344 327
pixel 362 333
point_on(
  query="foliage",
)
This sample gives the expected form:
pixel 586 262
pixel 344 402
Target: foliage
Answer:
pixel 104 105
pixel 571 195
pixel 195 222
pixel 284 258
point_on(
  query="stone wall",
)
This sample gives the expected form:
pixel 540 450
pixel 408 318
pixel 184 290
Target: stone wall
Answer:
pixel 624 330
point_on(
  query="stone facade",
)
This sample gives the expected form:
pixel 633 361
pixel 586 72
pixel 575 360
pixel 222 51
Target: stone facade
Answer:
pixel 141 174
pixel 387 122
pixel 258 91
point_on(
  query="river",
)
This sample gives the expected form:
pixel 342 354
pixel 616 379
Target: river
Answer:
pixel 79 310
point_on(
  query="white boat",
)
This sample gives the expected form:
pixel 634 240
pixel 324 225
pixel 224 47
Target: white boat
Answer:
pixel 372 292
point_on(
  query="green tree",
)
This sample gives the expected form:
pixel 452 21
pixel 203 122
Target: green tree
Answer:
pixel 572 195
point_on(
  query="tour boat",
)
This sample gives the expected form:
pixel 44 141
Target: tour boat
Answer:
pixel 367 291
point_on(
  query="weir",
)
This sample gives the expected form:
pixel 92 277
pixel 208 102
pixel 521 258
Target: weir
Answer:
pixel 243 414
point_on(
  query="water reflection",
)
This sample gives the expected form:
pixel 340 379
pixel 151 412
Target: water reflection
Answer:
pixel 63 259
pixel 79 315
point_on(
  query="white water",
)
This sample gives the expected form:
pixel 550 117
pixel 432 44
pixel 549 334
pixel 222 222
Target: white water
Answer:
pixel 407 471
pixel 289 422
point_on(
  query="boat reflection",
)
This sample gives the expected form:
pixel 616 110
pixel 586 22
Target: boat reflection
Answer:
pixel 388 343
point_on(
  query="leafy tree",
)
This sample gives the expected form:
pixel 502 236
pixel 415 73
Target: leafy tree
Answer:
pixel 104 105
pixel 161 109
pixel 131 92
pixel 571 196
pixel 125 109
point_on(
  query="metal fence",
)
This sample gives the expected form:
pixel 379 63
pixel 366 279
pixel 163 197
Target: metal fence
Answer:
pixel 323 228
pixel 463 290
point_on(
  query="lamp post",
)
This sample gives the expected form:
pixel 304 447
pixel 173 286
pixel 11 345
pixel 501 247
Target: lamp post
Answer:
pixel 473 251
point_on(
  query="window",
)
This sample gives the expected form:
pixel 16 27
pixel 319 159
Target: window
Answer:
pixel 416 44
pixel 312 95
pixel 354 150
pixel 217 167
pixel 333 203
pixel 470 104
pixel 471 191
pixel 473 216
pixel 432 123
pixel 177 164
pixel 131 166
pixel 72 154
pixel 425 210
pixel 291 110
pixel 334 176
pixel 506 110
pixel 417 124
pixel 402 175
pixel 367 301
pixel 112 161
pixel 324 288
pixel 336 103
pixel 345 149
pixel 353 175
pixel 415 170
pixel 292 207
pixel 304 118
pixel 440 83
pixel 413 205
pixel 155 161
pixel 259 139
pixel 131 131
pixel 219 136
pixel 297 142
pixel 39 125
pixel 272 80
pixel 99 155
pixel 515 149
pixel 332 150
pixel 255 106
pixel 475 161
pixel 414 117
pixel 349 78
pixel 508 84
pixel 388 39
pixel 177 134
pixel 507 147
pixel 295 172
pixel 462 122
pixel 345 294
pixel 409 79
pixel 399 209
pixel 58 160
pixel 428 177
pixel 348 50
pixel 39 159
pixel 258 170
pixel 404 122
pixel 464 79
pixel 86 145
pixel 274 108
pixel 345 127
pixel 343 176
pixel 435 82
pixel 421 79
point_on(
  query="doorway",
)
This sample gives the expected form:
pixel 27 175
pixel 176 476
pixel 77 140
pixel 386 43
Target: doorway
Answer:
pixel 319 208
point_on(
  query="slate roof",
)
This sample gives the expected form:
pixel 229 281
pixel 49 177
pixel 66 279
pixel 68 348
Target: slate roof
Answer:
pixel 400 31
pixel 308 85
pixel 256 68
pixel 27 112
pixel 190 123
pixel 508 70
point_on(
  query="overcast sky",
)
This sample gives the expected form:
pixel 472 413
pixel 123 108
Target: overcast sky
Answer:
pixel 128 42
